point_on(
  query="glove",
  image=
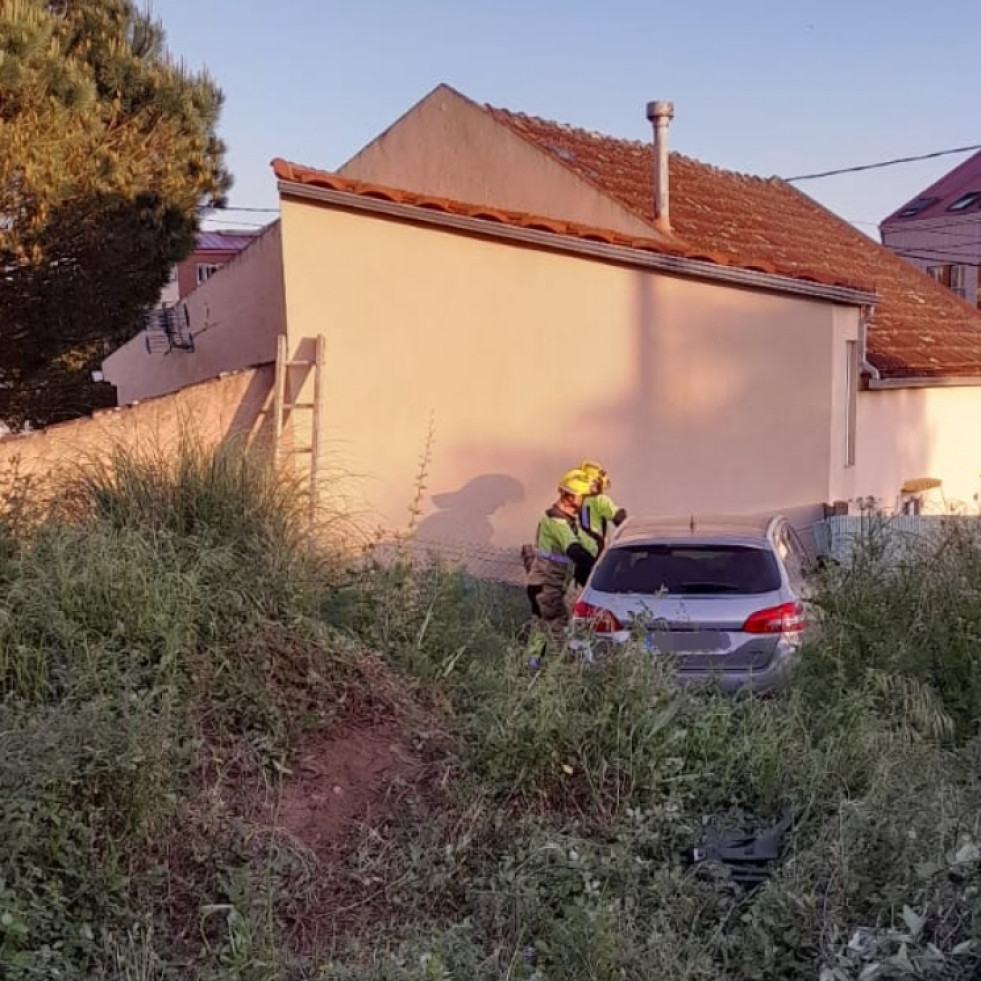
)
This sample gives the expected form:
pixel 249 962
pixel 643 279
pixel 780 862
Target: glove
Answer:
pixel 583 563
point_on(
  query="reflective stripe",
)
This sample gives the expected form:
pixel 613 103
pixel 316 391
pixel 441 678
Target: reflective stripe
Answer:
pixel 584 517
pixel 553 557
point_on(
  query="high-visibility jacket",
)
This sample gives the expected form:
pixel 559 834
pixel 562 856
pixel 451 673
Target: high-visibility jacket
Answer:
pixel 556 532
pixel 597 513
pixel 559 549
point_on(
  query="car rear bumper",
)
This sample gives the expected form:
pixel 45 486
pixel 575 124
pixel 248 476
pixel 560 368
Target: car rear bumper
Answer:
pixel 729 682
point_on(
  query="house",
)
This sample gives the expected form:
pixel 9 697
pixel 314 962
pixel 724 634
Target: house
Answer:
pixel 921 354
pixel 939 231
pixel 212 251
pixel 501 296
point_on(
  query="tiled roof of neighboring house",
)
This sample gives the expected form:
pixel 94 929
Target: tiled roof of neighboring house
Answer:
pixel 224 241
pixel 920 329
pixel 298 174
pixel 960 189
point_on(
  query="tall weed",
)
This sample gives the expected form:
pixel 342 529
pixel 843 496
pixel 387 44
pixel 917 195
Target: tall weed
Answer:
pixel 582 786
pixel 908 624
pixel 157 630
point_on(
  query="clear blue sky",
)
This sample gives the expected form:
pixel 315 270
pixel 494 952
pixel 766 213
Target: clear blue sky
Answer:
pixel 760 86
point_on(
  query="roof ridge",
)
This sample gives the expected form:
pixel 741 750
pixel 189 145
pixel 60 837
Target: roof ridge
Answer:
pixel 639 144
pixel 570 127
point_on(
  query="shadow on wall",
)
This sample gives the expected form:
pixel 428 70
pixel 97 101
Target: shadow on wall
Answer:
pixel 252 420
pixel 464 515
pixel 722 411
pixel 628 430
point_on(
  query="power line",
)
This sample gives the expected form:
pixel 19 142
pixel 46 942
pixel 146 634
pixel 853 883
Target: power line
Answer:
pixel 973 254
pixel 216 215
pixel 939 260
pixel 233 221
pixel 939 231
pixel 882 163
pixel 969 232
pixel 233 208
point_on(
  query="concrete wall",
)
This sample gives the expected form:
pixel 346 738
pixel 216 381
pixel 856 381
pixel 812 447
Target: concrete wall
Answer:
pixel 235 405
pixel 920 432
pixel 696 396
pixel 235 317
pixel 449 147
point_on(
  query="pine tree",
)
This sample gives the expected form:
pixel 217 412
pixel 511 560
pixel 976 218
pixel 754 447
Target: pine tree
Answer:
pixel 108 149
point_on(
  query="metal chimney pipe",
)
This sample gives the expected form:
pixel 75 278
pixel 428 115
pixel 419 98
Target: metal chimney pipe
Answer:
pixel 661 114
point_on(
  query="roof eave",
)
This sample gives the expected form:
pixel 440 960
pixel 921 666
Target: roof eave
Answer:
pixel 925 381
pixel 672 264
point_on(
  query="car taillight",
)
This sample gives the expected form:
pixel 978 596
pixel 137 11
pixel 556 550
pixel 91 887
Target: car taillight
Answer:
pixel 784 619
pixel 599 620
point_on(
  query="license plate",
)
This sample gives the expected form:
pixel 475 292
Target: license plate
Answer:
pixel 687 641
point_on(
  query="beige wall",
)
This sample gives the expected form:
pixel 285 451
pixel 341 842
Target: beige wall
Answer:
pixel 235 405
pixel 449 147
pixel 920 432
pixel 696 396
pixel 235 317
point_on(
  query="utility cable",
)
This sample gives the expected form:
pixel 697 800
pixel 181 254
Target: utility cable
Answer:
pixel 881 163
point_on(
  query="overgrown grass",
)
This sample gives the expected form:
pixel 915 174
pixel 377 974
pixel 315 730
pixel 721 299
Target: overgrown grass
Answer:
pixel 580 787
pixel 158 638
pixel 908 620
pixel 172 631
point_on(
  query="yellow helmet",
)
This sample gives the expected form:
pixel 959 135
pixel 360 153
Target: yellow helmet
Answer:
pixel 575 482
pixel 597 475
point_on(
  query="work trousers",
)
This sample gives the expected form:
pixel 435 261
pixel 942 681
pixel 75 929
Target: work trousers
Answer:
pixel 548 584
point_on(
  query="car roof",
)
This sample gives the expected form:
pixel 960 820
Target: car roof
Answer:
pixel 706 529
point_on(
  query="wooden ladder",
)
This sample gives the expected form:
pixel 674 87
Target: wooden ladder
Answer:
pixel 282 408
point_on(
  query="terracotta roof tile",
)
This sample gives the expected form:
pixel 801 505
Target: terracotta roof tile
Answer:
pixel 920 328
pixel 298 174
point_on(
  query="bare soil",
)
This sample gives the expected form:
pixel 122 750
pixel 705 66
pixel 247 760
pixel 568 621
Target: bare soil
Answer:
pixel 353 786
pixel 339 782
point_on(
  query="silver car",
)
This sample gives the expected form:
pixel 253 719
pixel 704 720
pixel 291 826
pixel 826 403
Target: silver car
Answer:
pixel 724 596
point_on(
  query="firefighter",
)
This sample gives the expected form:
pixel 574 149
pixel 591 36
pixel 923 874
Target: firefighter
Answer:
pixel 559 555
pixel 598 509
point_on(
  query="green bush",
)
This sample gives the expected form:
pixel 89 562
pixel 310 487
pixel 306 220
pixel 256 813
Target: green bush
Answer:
pixel 907 622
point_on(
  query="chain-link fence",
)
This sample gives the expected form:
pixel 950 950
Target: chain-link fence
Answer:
pixel 892 537
pixel 479 560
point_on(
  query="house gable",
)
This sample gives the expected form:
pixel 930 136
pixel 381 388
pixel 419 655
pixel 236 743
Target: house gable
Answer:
pixel 450 147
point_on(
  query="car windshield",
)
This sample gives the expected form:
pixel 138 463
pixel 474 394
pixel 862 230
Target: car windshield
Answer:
pixel 686 568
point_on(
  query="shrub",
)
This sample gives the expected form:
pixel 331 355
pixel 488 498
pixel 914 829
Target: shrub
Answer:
pixel 909 625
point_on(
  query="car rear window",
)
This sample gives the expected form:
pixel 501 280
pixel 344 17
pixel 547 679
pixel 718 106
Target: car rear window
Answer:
pixel 700 569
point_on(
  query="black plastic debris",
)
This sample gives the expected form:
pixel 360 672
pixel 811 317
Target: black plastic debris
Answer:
pixel 748 857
